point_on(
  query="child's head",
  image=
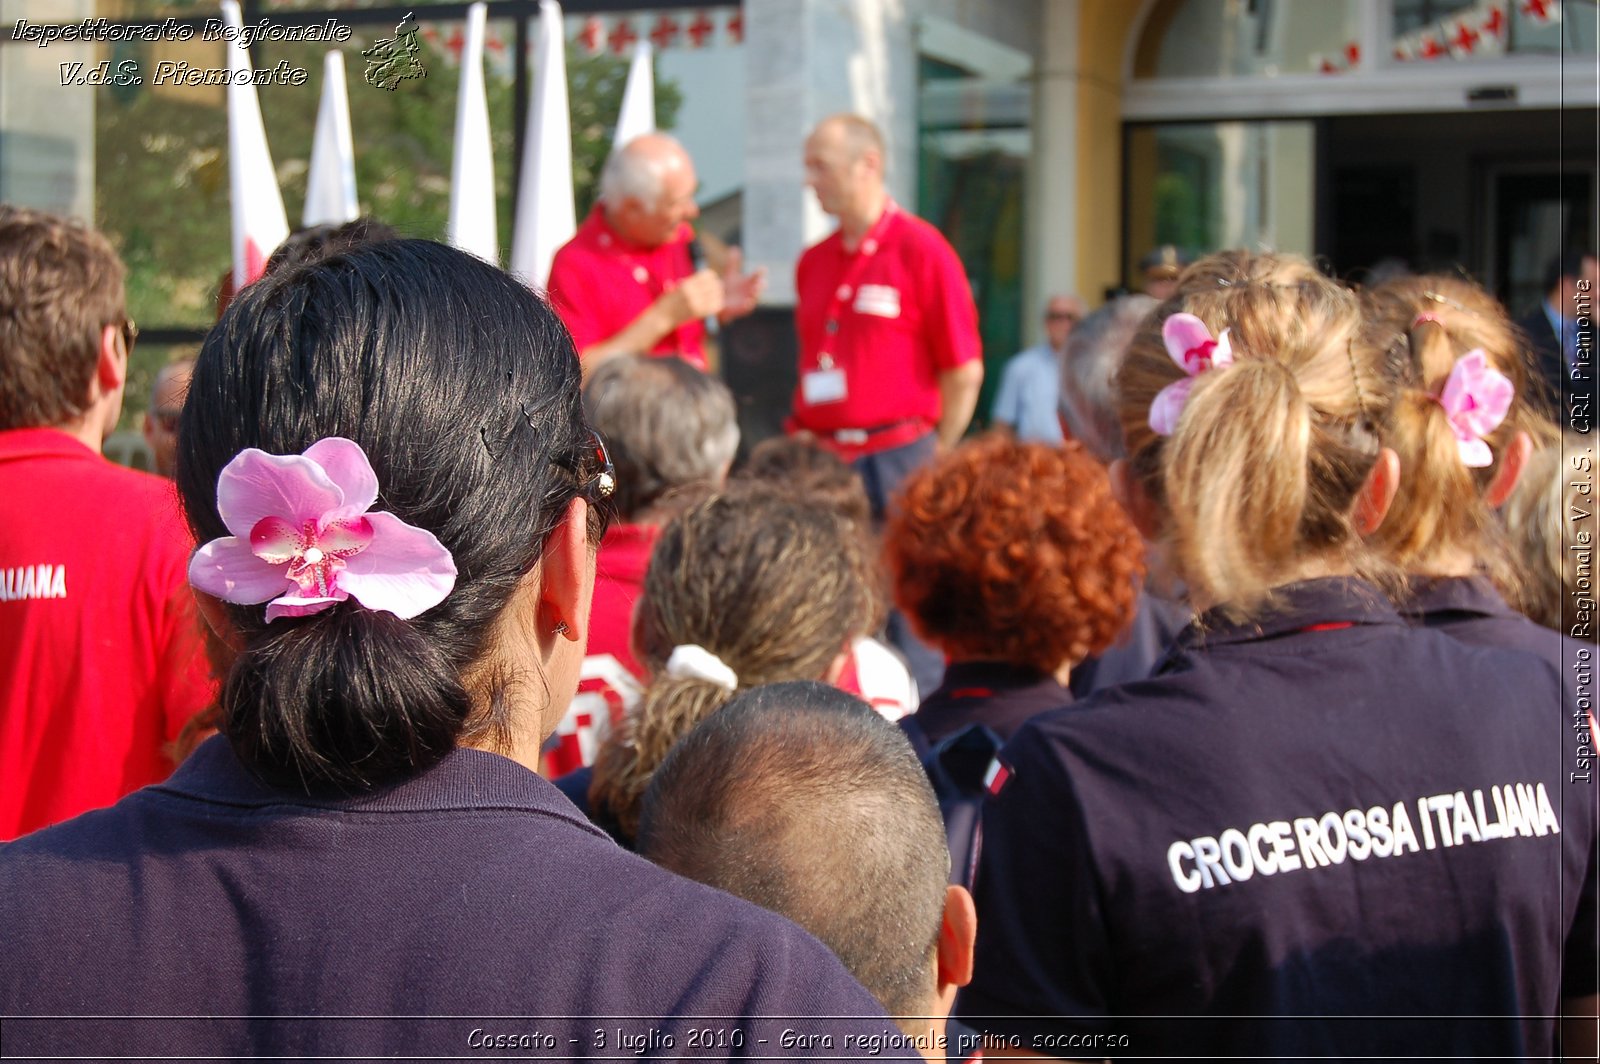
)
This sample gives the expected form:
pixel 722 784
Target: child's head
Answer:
pixel 1005 551
pixel 1428 331
pixel 1258 475
pixel 764 589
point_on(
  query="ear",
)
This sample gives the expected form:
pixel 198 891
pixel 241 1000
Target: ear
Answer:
pixel 566 576
pixel 958 932
pixel 1513 460
pixel 1129 492
pixel 111 372
pixel 1377 494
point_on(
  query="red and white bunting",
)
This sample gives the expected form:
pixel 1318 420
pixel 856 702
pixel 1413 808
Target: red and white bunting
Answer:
pixel 622 38
pixel 593 35
pixel 1542 11
pixel 664 33
pixel 1495 22
pixel 700 30
pixel 665 30
pixel 1462 37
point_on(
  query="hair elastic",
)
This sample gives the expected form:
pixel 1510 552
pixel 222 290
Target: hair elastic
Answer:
pixel 691 662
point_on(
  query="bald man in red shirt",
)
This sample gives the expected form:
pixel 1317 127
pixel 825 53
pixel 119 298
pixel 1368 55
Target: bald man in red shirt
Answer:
pixel 890 359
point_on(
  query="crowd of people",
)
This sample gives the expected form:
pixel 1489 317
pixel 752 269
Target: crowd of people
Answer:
pixel 472 686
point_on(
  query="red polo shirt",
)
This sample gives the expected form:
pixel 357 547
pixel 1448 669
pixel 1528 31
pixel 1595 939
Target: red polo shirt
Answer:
pixel 599 283
pixel 905 314
pixel 101 662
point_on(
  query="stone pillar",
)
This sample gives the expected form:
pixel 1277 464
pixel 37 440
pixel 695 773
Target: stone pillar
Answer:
pixel 1052 231
pixel 805 60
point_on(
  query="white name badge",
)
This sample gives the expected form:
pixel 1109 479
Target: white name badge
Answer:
pixel 822 386
pixel 878 299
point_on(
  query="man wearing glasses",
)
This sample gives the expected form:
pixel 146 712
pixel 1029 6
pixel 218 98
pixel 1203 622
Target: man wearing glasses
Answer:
pixel 1026 399
pixel 101 663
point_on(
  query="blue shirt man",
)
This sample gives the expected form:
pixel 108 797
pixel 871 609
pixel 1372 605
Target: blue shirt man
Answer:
pixel 1031 383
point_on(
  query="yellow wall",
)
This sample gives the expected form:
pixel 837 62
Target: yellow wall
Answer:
pixel 1103 31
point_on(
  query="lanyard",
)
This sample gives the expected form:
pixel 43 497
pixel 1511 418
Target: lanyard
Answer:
pixel 847 284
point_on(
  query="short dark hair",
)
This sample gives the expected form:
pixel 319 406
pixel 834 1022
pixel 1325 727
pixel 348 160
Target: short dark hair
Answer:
pixel 667 425
pixel 462 387
pixel 1567 264
pixel 61 284
pixel 802 799
pixel 318 241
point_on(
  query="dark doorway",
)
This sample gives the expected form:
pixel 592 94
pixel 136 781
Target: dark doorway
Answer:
pixel 1496 194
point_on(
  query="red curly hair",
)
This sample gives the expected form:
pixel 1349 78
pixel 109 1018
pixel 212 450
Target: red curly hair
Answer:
pixel 1015 552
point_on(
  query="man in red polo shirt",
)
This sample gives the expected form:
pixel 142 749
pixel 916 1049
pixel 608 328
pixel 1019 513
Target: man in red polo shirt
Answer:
pixel 890 360
pixel 101 662
pixel 630 281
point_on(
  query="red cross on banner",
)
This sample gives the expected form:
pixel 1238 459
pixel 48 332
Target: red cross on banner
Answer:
pixel 1540 10
pixel 1466 38
pixel 593 34
pixel 701 28
pixel 664 34
pixel 456 43
pixel 1431 48
pixel 1495 23
pixel 736 27
pixel 622 37
pixel 1352 53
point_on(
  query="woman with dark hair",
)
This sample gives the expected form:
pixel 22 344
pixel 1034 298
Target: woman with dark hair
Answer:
pixel 387 463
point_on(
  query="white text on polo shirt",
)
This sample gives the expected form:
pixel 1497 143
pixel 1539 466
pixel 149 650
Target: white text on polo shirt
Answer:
pixel 1444 820
pixel 33 582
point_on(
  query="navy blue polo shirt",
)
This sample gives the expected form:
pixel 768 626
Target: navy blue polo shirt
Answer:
pixel 998 695
pixel 1470 609
pixel 1324 815
pixel 469 911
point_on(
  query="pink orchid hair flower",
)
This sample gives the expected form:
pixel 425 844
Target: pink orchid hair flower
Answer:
pixel 1476 398
pixel 1190 345
pixel 304 538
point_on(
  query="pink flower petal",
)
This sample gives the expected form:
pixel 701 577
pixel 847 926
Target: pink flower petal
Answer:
pixel 227 569
pixel 274 540
pixel 346 465
pixel 257 484
pixel 301 605
pixel 1475 454
pixel 405 570
pixel 1168 405
pixel 345 537
pixel 1182 333
pixel 1476 396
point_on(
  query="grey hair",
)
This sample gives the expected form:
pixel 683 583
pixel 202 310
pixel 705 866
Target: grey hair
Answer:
pixel 1089 365
pixel 633 174
pixel 666 425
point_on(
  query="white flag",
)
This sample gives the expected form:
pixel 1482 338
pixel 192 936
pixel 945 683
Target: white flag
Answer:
pixel 331 186
pixel 638 114
pixel 545 217
pixel 472 223
pixel 259 224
